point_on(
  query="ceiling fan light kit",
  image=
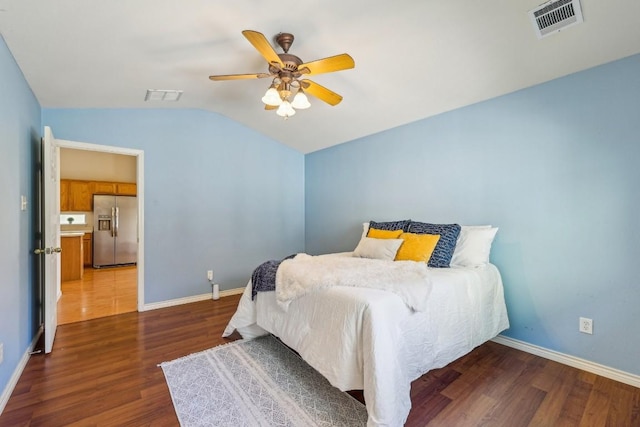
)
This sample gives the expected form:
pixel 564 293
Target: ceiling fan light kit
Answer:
pixel 286 71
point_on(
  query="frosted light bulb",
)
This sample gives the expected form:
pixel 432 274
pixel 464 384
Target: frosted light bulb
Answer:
pixel 272 97
pixel 285 110
pixel 300 101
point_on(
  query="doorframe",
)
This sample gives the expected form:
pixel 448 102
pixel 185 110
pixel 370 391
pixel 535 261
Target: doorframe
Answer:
pixel 139 154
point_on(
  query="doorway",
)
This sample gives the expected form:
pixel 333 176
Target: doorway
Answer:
pixel 101 292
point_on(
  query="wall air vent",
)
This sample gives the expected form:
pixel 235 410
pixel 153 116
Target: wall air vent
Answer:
pixel 553 16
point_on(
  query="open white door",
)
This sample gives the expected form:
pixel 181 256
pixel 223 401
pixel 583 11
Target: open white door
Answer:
pixel 51 217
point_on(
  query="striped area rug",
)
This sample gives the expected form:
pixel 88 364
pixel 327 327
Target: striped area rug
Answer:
pixel 257 382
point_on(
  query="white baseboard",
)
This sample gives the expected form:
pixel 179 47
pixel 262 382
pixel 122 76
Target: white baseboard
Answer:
pixel 576 362
pixel 187 300
pixel 6 393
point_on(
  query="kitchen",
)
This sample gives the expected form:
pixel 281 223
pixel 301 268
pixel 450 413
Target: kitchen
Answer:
pixel 98 230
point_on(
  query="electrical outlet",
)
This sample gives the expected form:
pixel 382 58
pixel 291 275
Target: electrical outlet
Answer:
pixel 1 352
pixel 586 325
pixel 209 274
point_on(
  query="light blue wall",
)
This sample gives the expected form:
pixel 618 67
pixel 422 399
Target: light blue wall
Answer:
pixel 19 139
pixel 217 195
pixel 556 167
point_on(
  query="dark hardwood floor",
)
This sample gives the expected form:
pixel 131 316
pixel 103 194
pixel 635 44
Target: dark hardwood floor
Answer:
pixel 104 372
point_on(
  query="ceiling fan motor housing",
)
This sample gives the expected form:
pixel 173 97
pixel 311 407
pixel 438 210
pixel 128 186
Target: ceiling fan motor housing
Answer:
pixel 291 63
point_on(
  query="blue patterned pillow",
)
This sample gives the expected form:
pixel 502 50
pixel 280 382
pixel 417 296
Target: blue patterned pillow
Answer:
pixel 390 225
pixel 443 252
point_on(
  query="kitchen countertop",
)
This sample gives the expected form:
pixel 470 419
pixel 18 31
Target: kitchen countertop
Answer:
pixel 71 233
pixel 64 228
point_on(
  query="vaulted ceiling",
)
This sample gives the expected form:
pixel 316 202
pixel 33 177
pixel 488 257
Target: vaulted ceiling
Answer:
pixel 414 58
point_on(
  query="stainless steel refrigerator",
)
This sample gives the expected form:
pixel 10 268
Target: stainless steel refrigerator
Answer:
pixel 115 230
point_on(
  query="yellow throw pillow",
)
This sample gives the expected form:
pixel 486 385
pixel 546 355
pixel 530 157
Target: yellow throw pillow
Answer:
pixel 417 247
pixel 374 233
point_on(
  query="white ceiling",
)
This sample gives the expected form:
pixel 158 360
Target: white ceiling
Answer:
pixel 414 58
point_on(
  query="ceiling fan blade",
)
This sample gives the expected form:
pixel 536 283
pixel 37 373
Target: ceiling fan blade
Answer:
pixel 321 92
pixel 328 65
pixel 270 107
pixel 262 45
pixel 240 76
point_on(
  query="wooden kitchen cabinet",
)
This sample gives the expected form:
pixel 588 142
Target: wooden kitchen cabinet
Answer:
pixel 126 189
pixel 77 195
pixel 71 267
pixel 100 187
pixel 64 195
pixel 80 196
pixel 87 249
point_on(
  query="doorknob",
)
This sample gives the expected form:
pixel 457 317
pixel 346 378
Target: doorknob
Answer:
pixel 47 251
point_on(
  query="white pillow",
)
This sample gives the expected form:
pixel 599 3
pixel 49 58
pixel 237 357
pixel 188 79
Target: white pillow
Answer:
pixel 365 229
pixel 377 248
pixel 473 246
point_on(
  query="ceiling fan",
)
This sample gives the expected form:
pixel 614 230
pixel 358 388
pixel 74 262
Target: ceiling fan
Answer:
pixel 287 72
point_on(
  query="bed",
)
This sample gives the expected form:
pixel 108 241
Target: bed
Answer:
pixel 372 338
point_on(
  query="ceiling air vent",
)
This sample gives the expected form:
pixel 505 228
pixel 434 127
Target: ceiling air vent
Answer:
pixel 162 95
pixel 554 16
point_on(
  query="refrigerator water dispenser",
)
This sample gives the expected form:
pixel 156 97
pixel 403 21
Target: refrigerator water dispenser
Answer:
pixel 104 223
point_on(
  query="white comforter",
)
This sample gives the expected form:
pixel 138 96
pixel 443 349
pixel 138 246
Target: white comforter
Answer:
pixel 305 274
pixel 369 339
